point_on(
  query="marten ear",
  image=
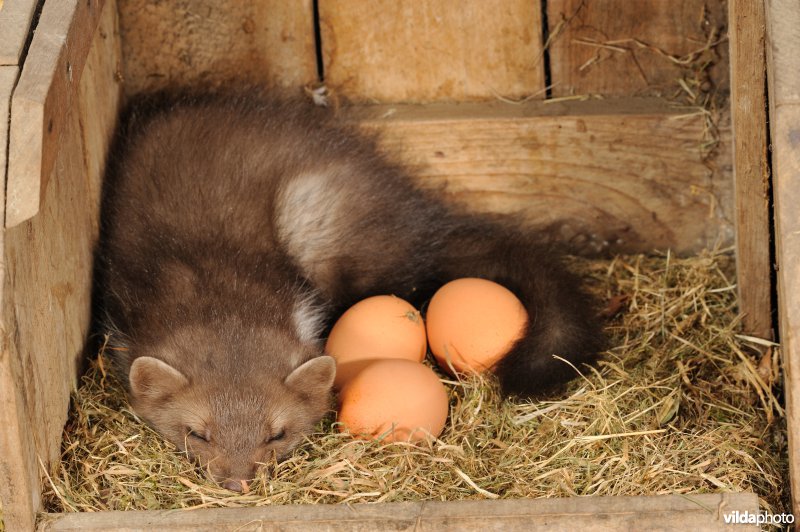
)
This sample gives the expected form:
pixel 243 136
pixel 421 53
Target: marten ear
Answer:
pixel 154 380
pixel 313 377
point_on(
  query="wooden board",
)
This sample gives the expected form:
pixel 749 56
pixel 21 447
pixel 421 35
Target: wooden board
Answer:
pixel 429 50
pixel 268 42
pixel 783 69
pixel 751 171
pixel 19 490
pixel 98 102
pixel 46 87
pixel 619 47
pixel 690 512
pixel 8 78
pixel 15 21
pixel 621 175
pixel 47 285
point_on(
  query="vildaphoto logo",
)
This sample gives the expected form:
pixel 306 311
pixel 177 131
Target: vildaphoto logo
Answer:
pixel 757 518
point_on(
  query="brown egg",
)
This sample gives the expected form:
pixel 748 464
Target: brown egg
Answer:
pixel 393 400
pixel 472 323
pixel 375 328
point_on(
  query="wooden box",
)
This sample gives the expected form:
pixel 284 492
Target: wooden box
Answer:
pixel 504 116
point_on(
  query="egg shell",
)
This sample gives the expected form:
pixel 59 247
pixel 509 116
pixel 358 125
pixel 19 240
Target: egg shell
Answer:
pixel 376 327
pixel 345 371
pixel 472 323
pixel 393 400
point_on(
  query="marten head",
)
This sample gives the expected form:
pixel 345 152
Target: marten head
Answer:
pixel 232 426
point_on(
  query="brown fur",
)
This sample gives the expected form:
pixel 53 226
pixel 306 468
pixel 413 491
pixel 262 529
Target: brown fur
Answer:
pixel 237 226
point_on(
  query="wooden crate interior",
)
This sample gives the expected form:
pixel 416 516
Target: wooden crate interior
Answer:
pixel 609 120
pixel 663 170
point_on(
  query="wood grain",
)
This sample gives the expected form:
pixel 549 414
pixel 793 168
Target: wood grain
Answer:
pixel 619 47
pixel 784 36
pixel 267 42
pixel 618 176
pixel 429 50
pixel 46 87
pixel 98 102
pixel 47 284
pixel 15 21
pixel 8 78
pixel 783 69
pixel 751 171
pixel 669 512
pixel 19 486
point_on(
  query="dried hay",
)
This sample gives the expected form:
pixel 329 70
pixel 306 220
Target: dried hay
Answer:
pixel 681 404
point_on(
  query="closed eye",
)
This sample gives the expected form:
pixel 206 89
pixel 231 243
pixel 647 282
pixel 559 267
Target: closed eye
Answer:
pixel 277 436
pixel 197 435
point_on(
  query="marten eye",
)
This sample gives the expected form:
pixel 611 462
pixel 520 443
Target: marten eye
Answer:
pixel 277 436
pixel 197 435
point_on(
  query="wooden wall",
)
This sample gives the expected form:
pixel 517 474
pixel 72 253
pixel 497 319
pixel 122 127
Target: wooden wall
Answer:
pixel 15 19
pixel 697 512
pixel 597 169
pixel 751 165
pixel 411 52
pixel 644 47
pixel 432 50
pixel 10 399
pixel 47 262
pixel 783 66
pixel 269 42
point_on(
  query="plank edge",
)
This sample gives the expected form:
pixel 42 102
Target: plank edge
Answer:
pixel 698 510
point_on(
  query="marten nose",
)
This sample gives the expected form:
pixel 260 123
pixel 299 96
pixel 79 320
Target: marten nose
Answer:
pixel 235 485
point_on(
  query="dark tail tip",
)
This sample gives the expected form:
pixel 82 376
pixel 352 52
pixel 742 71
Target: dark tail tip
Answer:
pixel 553 352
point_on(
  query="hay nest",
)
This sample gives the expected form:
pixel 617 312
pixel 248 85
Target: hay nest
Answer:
pixel 681 404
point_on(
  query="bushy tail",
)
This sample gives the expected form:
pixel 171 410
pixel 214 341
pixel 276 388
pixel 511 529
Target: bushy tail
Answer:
pixel 563 319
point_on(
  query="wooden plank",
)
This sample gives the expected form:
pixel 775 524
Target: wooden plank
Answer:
pixel 15 21
pixel 429 50
pixel 694 512
pixel 751 171
pixel 614 47
pixel 783 69
pixel 782 51
pixel 187 42
pixel 19 487
pixel 8 78
pixel 785 139
pixel 47 286
pixel 619 176
pixel 45 91
pixel 98 100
